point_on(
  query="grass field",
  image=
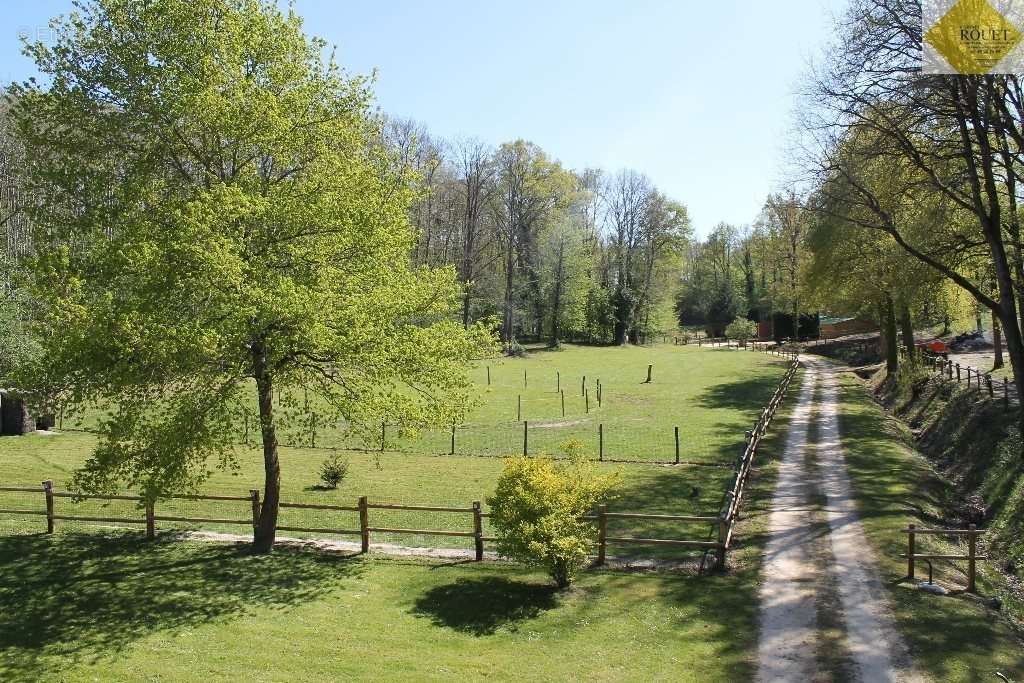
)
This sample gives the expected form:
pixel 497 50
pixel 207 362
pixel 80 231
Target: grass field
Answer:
pixel 713 395
pixel 95 608
pixel 109 606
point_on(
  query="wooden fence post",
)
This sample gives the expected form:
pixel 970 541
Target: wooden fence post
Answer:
pixel 649 369
pixel 383 435
pixel 478 531
pixel 524 378
pixel 723 534
pixel 364 525
pixel 600 442
pixel 972 546
pixel 150 520
pixel 526 438
pixel 602 532
pixel 519 408
pixel 453 438
pixel 488 375
pixel 254 496
pixel 558 380
pixel 988 383
pixel 583 386
pixel 563 401
pixel 677 445
pixel 48 492
pixel 586 400
pixel 910 552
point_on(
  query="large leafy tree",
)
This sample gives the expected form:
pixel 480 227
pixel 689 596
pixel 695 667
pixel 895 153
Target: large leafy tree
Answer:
pixel 222 221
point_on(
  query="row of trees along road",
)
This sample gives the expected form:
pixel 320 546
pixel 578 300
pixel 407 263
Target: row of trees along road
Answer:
pixel 914 177
pixel 213 215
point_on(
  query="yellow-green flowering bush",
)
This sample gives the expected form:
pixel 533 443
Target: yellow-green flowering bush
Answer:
pixel 538 509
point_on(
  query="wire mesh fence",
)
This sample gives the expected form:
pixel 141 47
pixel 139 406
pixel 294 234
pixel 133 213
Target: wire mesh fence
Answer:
pixel 533 411
pixel 660 531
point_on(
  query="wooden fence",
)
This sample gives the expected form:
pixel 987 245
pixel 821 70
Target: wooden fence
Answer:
pixel 950 370
pixel 717 541
pixel 149 517
pixel 734 495
pixel 972 533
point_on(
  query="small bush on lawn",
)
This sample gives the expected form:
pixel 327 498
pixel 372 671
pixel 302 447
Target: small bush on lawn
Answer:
pixel 538 508
pixel 741 329
pixel 333 471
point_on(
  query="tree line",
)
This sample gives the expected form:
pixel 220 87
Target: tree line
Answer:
pixel 547 252
pixel 910 183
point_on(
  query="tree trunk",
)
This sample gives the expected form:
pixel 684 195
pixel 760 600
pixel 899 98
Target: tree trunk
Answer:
pixel 892 362
pixel 266 528
pixel 997 343
pixel 907 327
pixel 507 317
pixel 556 304
pixel 465 306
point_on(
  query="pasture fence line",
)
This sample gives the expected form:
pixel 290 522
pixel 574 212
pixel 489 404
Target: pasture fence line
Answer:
pixel 246 512
pixel 972 557
pixel 954 371
pixel 741 471
pixel 358 520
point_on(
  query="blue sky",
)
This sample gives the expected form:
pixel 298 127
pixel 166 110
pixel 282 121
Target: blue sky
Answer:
pixel 697 95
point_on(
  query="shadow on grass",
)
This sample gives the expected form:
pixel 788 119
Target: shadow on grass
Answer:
pixel 86 597
pixel 749 394
pixel 480 606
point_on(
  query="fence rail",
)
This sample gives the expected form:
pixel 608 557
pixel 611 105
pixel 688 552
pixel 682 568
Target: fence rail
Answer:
pixel 718 540
pixel 972 557
pixel 951 370
pixel 149 517
pixel 734 495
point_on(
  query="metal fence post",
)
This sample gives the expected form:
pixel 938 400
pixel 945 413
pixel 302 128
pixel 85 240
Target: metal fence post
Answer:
pixel 600 442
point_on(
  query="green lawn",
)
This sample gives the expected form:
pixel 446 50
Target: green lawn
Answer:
pixel 953 638
pixel 95 608
pixel 712 394
pixel 113 607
